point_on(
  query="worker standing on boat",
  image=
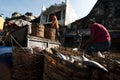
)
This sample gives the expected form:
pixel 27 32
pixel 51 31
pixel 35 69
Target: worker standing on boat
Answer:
pixel 55 25
pixel 99 40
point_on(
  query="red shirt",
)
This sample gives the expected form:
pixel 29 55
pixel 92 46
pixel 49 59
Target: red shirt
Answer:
pixel 99 33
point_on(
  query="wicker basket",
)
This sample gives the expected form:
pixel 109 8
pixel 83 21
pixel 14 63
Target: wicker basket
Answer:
pixel 50 33
pixel 58 69
pixel 50 67
pixel 38 30
pixel 27 66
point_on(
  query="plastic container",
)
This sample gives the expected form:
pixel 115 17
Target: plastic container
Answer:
pixel 6 55
pixel 6 63
pixel 5 49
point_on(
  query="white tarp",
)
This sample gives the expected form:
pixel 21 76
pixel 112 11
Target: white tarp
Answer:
pixel 21 23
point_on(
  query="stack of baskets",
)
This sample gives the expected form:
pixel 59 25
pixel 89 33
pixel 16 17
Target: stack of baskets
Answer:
pixel 41 31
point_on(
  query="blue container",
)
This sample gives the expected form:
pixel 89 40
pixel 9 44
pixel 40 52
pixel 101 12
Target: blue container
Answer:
pixel 5 49
pixel 6 55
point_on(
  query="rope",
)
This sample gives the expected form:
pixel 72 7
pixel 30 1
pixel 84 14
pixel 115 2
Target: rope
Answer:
pixel 13 39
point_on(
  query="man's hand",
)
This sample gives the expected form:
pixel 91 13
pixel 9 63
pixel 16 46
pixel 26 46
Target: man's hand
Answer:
pixel 83 46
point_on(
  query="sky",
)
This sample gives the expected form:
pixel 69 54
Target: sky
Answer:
pixel 7 7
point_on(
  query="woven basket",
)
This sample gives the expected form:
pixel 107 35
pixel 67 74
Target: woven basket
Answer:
pixel 38 30
pixel 27 66
pixel 59 69
pixel 50 33
pixel 56 68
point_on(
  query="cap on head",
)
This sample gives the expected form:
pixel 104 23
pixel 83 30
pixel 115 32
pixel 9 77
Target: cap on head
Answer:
pixel 91 21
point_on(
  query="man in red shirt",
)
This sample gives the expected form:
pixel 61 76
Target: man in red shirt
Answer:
pixel 99 40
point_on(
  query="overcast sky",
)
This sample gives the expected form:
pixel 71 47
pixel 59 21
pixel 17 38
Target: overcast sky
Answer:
pixel 7 7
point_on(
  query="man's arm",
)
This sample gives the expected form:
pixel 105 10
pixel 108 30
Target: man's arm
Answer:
pixel 79 46
pixel 88 42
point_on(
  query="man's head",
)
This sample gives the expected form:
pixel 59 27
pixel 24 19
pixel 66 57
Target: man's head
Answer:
pixel 90 22
pixel 52 14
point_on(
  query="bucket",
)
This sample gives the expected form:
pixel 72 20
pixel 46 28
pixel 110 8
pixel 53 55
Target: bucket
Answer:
pixel 38 30
pixel 50 33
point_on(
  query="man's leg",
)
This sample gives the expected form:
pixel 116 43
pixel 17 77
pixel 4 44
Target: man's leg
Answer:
pixel 95 49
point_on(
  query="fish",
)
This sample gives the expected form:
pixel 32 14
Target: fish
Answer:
pixel 92 64
pixel 75 49
pixel 82 59
pixel 58 54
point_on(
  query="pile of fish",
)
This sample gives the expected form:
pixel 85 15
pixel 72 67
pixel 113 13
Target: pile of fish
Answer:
pixel 81 59
pixel 110 64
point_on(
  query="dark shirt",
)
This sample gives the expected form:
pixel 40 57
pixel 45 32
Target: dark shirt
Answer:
pixel 77 38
